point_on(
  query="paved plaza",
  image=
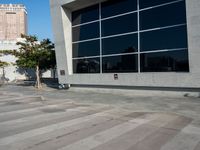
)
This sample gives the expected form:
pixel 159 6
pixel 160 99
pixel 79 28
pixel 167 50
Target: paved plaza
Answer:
pixel 87 120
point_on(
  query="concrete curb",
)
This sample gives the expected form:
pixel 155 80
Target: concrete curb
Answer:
pixel 139 92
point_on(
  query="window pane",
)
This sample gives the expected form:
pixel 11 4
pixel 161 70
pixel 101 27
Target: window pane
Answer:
pixel 123 63
pixel 163 16
pixel 85 15
pixel 170 38
pixel 150 3
pixel 118 25
pixel 121 44
pixel 84 32
pixel 115 7
pixel 165 61
pixel 90 65
pixel 91 48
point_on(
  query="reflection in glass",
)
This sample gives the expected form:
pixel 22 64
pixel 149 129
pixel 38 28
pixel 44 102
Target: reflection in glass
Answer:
pixel 122 63
pixel 163 16
pixel 176 61
pixel 85 32
pixel 120 44
pixel 122 24
pixel 87 65
pixel 85 15
pixel 170 38
pixel 150 3
pixel 83 49
pixel 157 38
pixel 115 7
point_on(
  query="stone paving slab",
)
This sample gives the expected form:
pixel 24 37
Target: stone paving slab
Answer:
pixel 29 124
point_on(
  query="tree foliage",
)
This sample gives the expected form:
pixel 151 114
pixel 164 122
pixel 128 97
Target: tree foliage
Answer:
pixel 34 54
pixel 3 64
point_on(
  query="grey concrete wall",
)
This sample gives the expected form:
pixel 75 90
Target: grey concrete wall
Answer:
pixel 10 72
pixel 62 32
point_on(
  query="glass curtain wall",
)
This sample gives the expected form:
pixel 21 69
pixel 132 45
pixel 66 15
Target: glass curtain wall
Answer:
pixel 119 36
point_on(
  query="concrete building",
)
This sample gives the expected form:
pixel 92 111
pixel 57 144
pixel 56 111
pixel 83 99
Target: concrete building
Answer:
pixel 13 23
pixel 127 42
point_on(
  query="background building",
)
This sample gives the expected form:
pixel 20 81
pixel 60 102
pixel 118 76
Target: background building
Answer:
pixel 128 42
pixel 13 23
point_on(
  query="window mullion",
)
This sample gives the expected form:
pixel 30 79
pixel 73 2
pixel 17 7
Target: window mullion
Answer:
pixel 138 20
pixel 101 63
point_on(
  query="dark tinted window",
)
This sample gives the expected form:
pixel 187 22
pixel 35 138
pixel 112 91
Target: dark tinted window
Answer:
pixel 165 61
pixel 121 44
pixel 90 65
pixel 170 38
pixel 85 15
pixel 150 3
pixel 84 32
pixel 115 7
pixel 123 63
pixel 123 24
pixel 163 16
pixel 91 48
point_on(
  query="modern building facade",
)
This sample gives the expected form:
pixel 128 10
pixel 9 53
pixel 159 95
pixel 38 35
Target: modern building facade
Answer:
pixel 128 42
pixel 13 21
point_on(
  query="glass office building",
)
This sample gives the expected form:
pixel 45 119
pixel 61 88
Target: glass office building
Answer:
pixel 127 42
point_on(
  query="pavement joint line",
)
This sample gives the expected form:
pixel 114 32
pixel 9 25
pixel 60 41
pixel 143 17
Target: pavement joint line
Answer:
pixel 45 101
pixel 8 93
pixel 141 136
pixel 37 108
pixel 48 122
pixel 19 107
pixel 74 128
pixel 19 98
pixel 11 94
pixel 182 141
pixel 30 118
pixel 46 129
pixel 21 104
pixel 77 128
pixel 43 107
pixel 191 129
pixel 107 135
pixel 2 98
pixel 23 97
pixel 25 105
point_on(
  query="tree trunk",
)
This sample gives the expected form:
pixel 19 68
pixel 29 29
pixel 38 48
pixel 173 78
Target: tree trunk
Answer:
pixel 54 74
pixel 3 76
pixel 38 82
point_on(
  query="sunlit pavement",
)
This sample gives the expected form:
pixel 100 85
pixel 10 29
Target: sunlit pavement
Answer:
pixel 40 120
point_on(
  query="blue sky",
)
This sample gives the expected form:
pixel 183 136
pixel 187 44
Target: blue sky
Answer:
pixel 39 19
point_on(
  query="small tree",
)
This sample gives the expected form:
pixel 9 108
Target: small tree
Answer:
pixel 35 55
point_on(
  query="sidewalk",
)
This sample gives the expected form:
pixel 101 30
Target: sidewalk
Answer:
pixel 136 100
pixel 88 119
